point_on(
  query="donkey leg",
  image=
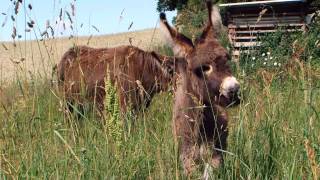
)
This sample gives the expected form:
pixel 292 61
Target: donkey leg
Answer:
pixel 220 139
pixel 188 148
pixel 190 154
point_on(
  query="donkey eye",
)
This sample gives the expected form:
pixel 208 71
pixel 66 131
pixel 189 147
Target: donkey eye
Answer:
pixel 203 70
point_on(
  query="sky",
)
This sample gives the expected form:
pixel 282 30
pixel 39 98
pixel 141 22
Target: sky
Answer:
pixel 92 17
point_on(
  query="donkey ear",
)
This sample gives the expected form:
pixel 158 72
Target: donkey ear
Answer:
pixel 214 24
pixel 180 44
pixel 165 63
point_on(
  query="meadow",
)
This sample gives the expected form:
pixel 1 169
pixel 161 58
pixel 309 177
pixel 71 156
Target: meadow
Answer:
pixel 273 133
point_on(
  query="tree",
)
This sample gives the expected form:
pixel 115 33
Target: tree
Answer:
pixel 170 5
pixel 192 18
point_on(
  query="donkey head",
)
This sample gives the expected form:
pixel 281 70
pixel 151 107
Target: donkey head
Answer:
pixel 207 60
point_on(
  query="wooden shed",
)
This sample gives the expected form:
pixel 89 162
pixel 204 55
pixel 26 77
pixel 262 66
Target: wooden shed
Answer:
pixel 249 20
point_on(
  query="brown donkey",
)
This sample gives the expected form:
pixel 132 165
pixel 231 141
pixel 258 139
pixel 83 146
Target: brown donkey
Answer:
pixel 204 85
pixel 138 75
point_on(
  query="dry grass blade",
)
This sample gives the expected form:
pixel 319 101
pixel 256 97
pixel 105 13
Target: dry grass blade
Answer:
pixel 13 61
pixel 262 12
pixel 44 33
pixel 69 17
pixel 6 161
pixel 67 146
pixel 73 9
pixel 60 15
pixel 16 8
pixel 4 46
pixel 30 25
pixel 130 26
pixel 95 28
pixel 121 15
pixel 130 40
pixel 5 21
pixel 14 32
pixel 312 159
pixel 47 24
pixel 52 31
pixel 90 37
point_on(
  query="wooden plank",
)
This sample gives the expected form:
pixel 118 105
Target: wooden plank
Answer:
pixel 266 31
pixel 244 37
pixel 264 19
pixel 268 28
pixel 245 22
pixel 246 44
pixel 238 52
pixel 267 16
pixel 296 18
pixel 277 14
pixel 265 25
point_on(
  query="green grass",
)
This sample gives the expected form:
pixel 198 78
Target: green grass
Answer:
pixel 273 133
pixel 270 135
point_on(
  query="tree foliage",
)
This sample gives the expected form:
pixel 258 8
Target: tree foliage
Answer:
pixel 170 5
pixel 192 18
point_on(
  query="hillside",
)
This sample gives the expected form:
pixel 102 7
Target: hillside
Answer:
pixel 38 57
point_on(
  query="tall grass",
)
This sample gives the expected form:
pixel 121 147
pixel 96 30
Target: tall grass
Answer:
pixel 274 132
pixel 273 135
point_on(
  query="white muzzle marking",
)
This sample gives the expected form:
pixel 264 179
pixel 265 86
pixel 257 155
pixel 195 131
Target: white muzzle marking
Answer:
pixel 228 83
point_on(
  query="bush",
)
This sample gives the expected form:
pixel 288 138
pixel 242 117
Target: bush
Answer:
pixel 278 51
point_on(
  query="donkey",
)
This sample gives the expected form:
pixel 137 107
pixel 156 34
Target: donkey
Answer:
pixel 137 75
pixel 204 86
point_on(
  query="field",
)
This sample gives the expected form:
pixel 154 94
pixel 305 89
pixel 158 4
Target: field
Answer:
pixel 39 57
pixel 274 132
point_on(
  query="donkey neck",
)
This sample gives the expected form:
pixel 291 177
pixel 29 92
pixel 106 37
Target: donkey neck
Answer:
pixel 153 72
pixel 188 103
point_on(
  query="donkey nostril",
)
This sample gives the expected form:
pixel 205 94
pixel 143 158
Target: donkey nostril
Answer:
pixel 229 87
pixel 234 90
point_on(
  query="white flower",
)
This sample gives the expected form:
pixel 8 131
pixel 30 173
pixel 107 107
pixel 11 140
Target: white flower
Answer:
pixel 252 64
pixel 310 57
pixel 271 57
pixel 264 63
pixel 265 59
pixel 253 58
pixel 275 63
pixel 279 64
pixel 268 53
pixel 263 54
